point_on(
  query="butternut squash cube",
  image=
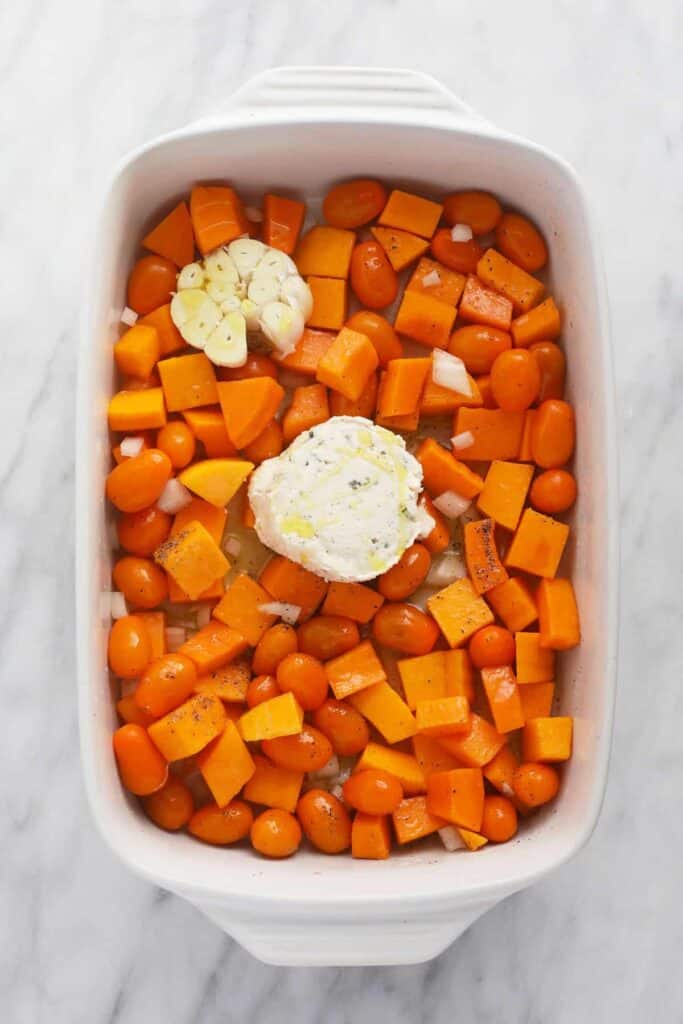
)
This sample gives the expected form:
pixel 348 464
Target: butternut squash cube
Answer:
pixel 547 739
pixel 137 410
pixel 226 765
pixel 279 716
pixel 538 544
pixel 273 786
pixel 457 796
pixel 240 608
pixel 411 213
pixel 513 602
pixel 325 252
pixel 213 646
pixel 188 381
pixel 459 611
pixel 137 351
pixel 533 663
pixel 537 700
pixel 403 766
pixel 188 729
pixel 216 480
pixel 443 716
pixel 387 711
pixel 413 821
pixel 329 303
pixel 193 559
pixel 348 363
pixel 354 670
pixel 402 247
pixel 505 489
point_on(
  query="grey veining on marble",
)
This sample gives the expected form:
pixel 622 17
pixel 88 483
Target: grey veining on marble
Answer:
pixel 82 941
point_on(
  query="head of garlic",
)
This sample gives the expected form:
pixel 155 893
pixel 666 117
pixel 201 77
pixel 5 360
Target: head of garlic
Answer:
pixel 240 288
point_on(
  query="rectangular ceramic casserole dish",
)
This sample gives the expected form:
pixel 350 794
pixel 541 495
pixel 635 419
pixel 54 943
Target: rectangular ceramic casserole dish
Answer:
pixel 303 129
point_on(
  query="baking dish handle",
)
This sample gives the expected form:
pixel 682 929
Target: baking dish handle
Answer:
pixel 383 94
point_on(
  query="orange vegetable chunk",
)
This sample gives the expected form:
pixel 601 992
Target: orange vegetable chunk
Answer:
pixel 229 683
pixel 402 766
pixel 309 351
pixel 137 410
pixel 329 303
pixel 193 559
pixel 540 324
pixel 240 608
pixel 538 544
pixel 478 745
pixel 438 539
pixel 502 692
pixel 353 600
pixel 411 213
pixel 479 210
pixel 217 216
pixel 402 247
pixel 170 338
pixel 457 796
pixel 279 716
pixel 497 434
pixel 533 663
pixel 513 602
pixel 290 583
pixel 348 363
pixel 309 408
pixel 173 237
pixel 208 426
pixel 432 755
pixel 402 387
pixel 472 840
pixel 547 739
pixel 537 700
pixel 426 320
pixel 558 615
pixel 436 675
pixel 226 765
pixel 188 381
pixel 483 564
pixel 443 472
pixel 523 290
pixel 448 288
pixel 189 728
pixel 442 716
pixel 282 220
pixel 248 407
pixel 459 611
pixel 504 493
pixel 141 767
pixel 370 836
pixel 501 769
pixel 213 519
pixel 273 786
pixel 214 646
pixel 365 405
pixel 216 480
pixel 355 670
pixel 481 305
pixel 137 350
pixel 413 821
pixel 387 711
pixel 325 252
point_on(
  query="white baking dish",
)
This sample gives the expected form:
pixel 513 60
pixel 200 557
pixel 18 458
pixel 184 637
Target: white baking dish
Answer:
pixel 302 129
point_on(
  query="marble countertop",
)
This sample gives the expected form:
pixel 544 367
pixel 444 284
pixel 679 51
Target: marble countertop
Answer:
pixel 81 939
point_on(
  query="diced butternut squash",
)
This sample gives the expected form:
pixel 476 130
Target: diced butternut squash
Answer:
pixel 329 303
pixel 208 426
pixel 217 216
pixel 411 213
pixel 173 237
pixel 226 765
pixel 402 247
pixel 370 836
pixel 481 305
pixel 279 716
pixel 309 351
pixel 189 728
pixel 137 410
pixel 325 252
pixel 525 453
pixel 216 480
pixel 413 821
pixel 309 408
pixel 439 537
pixel 478 745
pixel 213 519
pixel 188 381
pixel 505 490
pixel 406 422
pixel 457 796
pixel 442 716
pixel 282 220
pixel 540 324
pixel 436 675
pixel 459 681
pixel 137 351
pixel 403 766
pixel 442 283
pixel 483 564
pixel 538 544
pixel 533 663
pixel 501 769
pixel 439 401
pixel 426 320
pixel 348 363
pixel 513 603
pixel 472 840
pixel 537 700
pixel 443 472
pixel 240 608
pixel 355 670
pixel 289 582
pixel 214 646
pixel 273 786
pixel 403 385
pixel 228 683
pixel 353 600
pixel 365 404
pixel 502 692
pixel 523 290
pixel 558 615
pixel 547 739
pixel 432 756
pixel 170 338
pixel 459 611
pixel 248 406
pixel 497 434
pixel 193 559
pixel 389 714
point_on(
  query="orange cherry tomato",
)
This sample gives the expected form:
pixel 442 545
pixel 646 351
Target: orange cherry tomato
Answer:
pixel 551 363
pixel 478 346
pixel 327 636
pixel 177 440
pixel 345 728
pixel 151 284
pixel 304 676
pixel 553 434
pixel 553 491
pixel 373 791
pixel 499 822
pixel 141 533
pixel 325 821
pixel 515 379
pixel 484 385
pixel 460 256
pixel 307 751
pixel 491 647
pixel 137 483
pixel 535 784
pixel 172 806
pixel 257 365
pixel 142 768
pixel 519 240
pixel 380 332
pixel 480 210
pixel 373 279
pixel 275 644
pixel 129 649
pixel 354 203
pixel 405 629
pixel 142 583
pixel 267 445
pixel 276 833
pixel 405 577
pixel 260 689
pixel 221 826
pixel 166 683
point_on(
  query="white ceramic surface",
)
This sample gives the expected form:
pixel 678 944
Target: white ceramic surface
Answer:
pixel 319 125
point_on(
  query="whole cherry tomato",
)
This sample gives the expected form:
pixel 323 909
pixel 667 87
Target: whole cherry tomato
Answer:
pixel 172 806
pixel 165 684
pixel 137 483
pixel 373 279
pixel 260 689
pixel 535 784
pixel 515 379
pixel 405 628
pixel 325 821
pixel 380 332
pixel 519 240
pixel 354 203
pixel 276 833
pixel 480 210
pixel 553 434
pixel 142 583
pixel 460 256
pixel 553 491
pixel 141 533
pixel 499 821
pixel 373 791
pixel 551 363
pixel 406 576
pixel 478 346
pixel 304 676
pixel 221 826
pixel 142 768
pixel 491 647
pixel 178 441
pixel 275 644
pixel 129 649
pixel 306 751
pixel 327 636
pixel 345 728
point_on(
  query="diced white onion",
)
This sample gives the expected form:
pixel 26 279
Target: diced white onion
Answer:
pixel 431 279
pixel 450 837
pixel 131 446
pixel 128 316
pixel 464 440
pixel 507 789
pixel 232 546
pixel 128 686
pixel 446 569
pixel 203 616
pixel 451 504
pixel 461 233
pixel 174 497
pixel 175 638
pixel 119 608
pixel 338 791
pixel 328 770
pixel 289 613
pixel 450 372
pixel 253 213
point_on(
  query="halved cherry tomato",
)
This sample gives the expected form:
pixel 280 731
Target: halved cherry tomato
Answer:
pixel 142 583
pixel 221 826
pixel 515 379
pixel 260 689
pixel 373 791
pixel 551 363
pixel 304 676
pixel 129 648
pixel 553 434
pixel 499 822
pixel 307 751
pixel 257 365
pixel 480 210
pixel 137 483
pixel 177 440
pixel 405 628
pixel 522 242
pixel 405 577
pixel 151 284
pixel 491 647
pixel 172 806
pixel 327 636
pixel 373 279
pixel 142 768
pixel 535 784
pixel 478 346
pixel 345 728
pixel 275 833
pixel 141 533
pixel 325 821
pixel 354 203
pixel 460 256
pixel 380 332
pixel 275 644
pixel 165 684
